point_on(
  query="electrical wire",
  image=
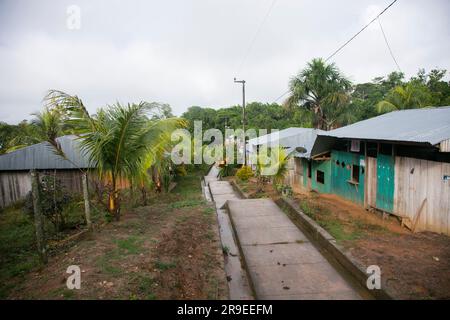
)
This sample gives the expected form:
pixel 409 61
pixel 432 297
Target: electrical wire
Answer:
pixel 389 47
pixel 252 42
pixel 349 40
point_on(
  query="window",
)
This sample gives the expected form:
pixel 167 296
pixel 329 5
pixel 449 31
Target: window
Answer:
pixel 355 173
pixel 320 177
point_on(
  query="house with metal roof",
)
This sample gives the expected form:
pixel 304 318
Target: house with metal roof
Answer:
pixel 298 143
pixel 15 167
pixel 397 163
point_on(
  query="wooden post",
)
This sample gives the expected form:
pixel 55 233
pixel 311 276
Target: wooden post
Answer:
pixel 38 219
pixel 87 207
pixel 366 177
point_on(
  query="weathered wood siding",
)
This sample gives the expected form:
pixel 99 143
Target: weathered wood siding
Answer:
pixel 371 181
pixel 14 185
pixel 445 146
pixel 290 176
pixel 294 176
pixel 417 180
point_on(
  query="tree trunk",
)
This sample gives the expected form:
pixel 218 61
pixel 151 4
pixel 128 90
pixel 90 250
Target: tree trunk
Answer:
pixel 38 218
pixel 87 207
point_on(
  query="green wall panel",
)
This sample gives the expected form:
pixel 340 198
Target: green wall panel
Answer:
pixel 325 167
pixel 385 182
pixel 341 174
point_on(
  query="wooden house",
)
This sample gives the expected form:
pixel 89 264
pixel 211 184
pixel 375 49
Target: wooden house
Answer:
pixel 398 163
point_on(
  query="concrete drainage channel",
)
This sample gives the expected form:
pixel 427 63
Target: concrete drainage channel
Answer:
pixel 238 281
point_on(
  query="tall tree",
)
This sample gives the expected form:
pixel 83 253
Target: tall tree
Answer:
pixel 118 139
pixel 409 96
pixel 321 88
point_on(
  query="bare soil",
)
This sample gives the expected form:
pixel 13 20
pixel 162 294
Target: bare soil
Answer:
pixel 167 250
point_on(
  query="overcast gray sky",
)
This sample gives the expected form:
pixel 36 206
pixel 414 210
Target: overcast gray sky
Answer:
pixel 187 52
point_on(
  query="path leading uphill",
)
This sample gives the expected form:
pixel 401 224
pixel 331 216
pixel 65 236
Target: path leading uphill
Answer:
pixel 280 260
pixel 221 191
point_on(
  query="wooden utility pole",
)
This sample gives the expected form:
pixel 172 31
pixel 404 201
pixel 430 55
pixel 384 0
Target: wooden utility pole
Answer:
pixel 87 207
pixel 38 218
pixel 243 117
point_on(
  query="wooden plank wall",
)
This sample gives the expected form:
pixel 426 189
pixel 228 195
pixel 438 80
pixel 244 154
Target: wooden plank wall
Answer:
pixel 371 180
pixel 15 185
pixel 416 180
pixel 294 176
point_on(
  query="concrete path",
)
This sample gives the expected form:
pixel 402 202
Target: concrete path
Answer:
pixel 221 191
pixel 281 262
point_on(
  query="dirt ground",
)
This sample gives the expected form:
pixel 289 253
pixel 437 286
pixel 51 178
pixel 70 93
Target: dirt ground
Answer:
pixel 167 250
pixel 413 265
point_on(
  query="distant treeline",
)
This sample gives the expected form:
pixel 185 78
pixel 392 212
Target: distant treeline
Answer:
pixel 320 96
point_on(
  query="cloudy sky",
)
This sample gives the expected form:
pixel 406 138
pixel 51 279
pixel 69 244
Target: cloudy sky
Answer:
pixel 187 52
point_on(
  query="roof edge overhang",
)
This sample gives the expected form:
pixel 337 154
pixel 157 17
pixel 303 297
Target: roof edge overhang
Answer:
pixel 325 143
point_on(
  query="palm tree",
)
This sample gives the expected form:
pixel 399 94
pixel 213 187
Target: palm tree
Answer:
pixel 273 163
pixel 120 140
pixel 49 125
pixel 322 89
pixel 409 96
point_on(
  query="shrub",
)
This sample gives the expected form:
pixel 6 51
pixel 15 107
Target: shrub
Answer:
pixel 244 173
pixel 53 200
pixel 180 170
pixel 227 170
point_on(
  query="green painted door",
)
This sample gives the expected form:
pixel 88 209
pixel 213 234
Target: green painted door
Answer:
pixel 385 183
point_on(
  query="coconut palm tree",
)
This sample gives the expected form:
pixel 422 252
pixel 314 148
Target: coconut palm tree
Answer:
pixel 49 125
pixel 120 140
pixel 322 89
pixel 272 163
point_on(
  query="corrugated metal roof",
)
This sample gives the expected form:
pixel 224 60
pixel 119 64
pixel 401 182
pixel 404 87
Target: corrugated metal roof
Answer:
pixel 427 125
pixel 290 138
pixel 42 156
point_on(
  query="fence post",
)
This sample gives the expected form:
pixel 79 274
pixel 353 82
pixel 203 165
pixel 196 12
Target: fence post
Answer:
pixel 38 219
pixel 87 207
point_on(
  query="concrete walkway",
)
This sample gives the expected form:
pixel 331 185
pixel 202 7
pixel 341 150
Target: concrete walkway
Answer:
pixel 221 191
pixel 281 262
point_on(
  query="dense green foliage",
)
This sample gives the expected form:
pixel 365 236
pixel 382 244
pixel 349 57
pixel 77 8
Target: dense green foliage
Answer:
pixel 244 173
pixel 122 141
pixel 323 90
pixel 322 97
pixel 53 200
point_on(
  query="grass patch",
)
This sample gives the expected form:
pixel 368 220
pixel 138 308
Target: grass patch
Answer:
pixel 339 229
pixel 130 245
pixel 208 211
pixel 165 265
pixel 108 262
pixel 64 293
pixel 186 203
pixel 18 254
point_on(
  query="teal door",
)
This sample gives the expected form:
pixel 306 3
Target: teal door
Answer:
pixel 385 183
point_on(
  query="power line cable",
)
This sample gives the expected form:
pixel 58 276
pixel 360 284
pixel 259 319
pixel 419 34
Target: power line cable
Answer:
pixel 348 41
pixel 252 42
pixel 371 21
pixel 389 47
